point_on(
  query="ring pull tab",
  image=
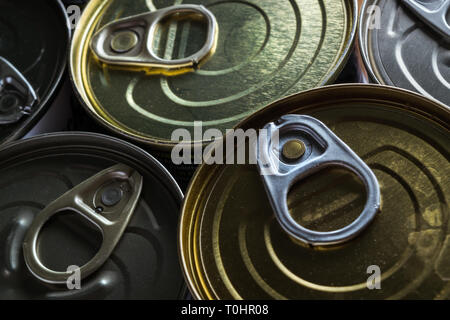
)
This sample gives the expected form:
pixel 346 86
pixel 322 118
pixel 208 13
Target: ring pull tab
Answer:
pixel 297 146
pixel 17 97
pixel 128 42
pixel 433 13
pixel 108 200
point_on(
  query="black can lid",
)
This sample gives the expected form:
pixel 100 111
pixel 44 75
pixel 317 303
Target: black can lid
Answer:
pixel 35 172
pixel 34 40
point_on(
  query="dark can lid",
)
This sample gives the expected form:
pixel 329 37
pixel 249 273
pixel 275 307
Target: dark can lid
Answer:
pixel 35 172
pixel 34 39
pixel 402 50
pixel 232 246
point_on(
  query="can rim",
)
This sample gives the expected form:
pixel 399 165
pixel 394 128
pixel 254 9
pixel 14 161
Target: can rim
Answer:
pixel 67 139
pixel 92 14
pixel 58 83
pixel 340 64
pixel 437 112
pixel 362 32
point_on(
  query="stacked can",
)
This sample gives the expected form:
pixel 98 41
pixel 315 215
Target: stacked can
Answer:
pixel 305 190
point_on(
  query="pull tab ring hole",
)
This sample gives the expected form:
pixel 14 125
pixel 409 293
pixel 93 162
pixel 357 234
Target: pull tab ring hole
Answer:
pixel 67 239
pixel 327 200
pixel 180 35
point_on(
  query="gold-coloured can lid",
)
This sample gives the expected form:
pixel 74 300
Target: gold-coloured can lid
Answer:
pixel 266 50
pixel 233 247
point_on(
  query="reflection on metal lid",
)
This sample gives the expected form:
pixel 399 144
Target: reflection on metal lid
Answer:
pixel 401 50
pixel 266 50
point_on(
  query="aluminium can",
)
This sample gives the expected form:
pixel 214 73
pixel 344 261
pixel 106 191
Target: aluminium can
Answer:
pixel 34 40
pixel 232 247
pixel 266 50
pixel 400 49
pixel 36 171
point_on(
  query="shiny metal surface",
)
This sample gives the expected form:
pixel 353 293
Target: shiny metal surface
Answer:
pixel 232 246
pixel 35 37
pixel 433 13
pixel 400 50
pixel 84 199
pixel 137 51
pixel 265 51
pixel 324 150
pixel 36 171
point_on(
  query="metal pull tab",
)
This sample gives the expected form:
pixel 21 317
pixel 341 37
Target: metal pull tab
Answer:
pixel 433 13
pixel 296 147
pixel 107 199
pixel 17 96
pixel 128 41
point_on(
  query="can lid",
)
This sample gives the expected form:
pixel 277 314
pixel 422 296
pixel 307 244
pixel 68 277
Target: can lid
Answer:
pixel 233 247
pixel 35 175
pixel 406 44
pixel 34 39
pixel 266 50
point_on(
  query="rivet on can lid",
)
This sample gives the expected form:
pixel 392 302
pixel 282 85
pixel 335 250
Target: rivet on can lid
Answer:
pixel 124 41
pixel 8 102
pixel 111 196
pixel 293 150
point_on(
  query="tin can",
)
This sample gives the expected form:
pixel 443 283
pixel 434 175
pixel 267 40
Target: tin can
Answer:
pixel 402 46
pixel 265 50
pixel 232 247
pixel 37 173
pixel 33 50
